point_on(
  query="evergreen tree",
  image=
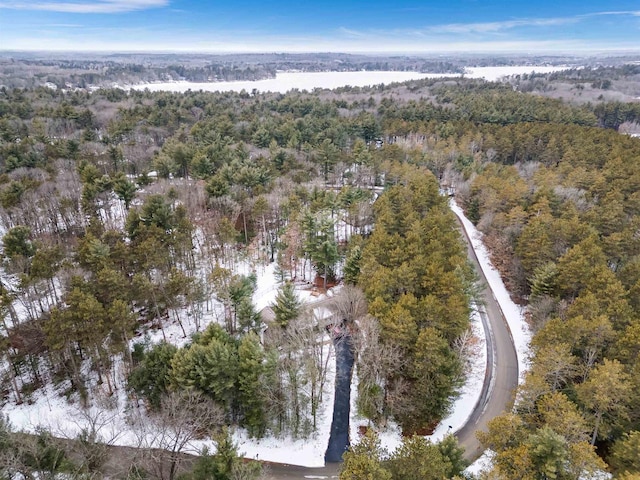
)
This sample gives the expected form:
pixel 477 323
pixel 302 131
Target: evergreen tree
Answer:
pixel 210 368
pixel 247 316
pixel 45 454
pixel 606 393
pixel 150 378
pixel 240 290
pixel 287 305
pixel 364 461
pixel 549 454
pixel 418 459
pixel 454 455
pixel 352 266
pixel 436 373
pixel 544 280
pixel 251 360
pixel 320 245
pixel 625 455
pixel 224 464
pixel 125 190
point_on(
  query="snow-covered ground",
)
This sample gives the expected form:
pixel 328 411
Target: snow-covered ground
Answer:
pixel 308 452
pixel 492 74
pixel 49 409
pixel 286 81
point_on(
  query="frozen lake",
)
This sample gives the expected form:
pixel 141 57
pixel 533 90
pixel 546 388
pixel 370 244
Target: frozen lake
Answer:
pixel 286 81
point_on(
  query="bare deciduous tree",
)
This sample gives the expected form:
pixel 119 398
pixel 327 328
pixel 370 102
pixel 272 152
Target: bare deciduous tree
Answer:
pixel 468 348
pixel 98 430
pixel 349 305
pixel 165 436
pixel 375 362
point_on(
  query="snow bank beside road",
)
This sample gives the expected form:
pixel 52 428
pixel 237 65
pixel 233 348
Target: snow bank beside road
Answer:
pixel 513 313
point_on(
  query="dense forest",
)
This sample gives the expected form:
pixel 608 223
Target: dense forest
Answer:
pixel 124 211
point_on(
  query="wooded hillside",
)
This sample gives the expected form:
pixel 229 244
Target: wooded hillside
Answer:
pixel 120 211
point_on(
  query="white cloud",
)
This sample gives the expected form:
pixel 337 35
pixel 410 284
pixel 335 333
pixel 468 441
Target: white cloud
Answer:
pixel 493 27
pixel 62 25
pixel 347 32
pixel 99 6
pixel 487 28
pixel 633 13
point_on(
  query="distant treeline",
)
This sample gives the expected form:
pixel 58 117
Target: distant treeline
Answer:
pixel 83 73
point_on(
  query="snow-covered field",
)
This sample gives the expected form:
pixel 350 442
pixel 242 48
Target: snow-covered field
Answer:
pixel 286 81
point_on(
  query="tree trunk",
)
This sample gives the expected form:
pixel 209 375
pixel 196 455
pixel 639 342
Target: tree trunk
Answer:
pixel 595 430
pixel 324 282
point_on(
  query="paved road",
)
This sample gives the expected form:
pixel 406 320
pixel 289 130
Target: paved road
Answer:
pixel 502 372
pixel 497 394
pixel 339 436
pixel 278 471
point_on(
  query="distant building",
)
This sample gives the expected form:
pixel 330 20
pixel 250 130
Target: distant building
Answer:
pixel 267 315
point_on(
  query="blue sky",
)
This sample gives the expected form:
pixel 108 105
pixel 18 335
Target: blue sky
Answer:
pixel 400 26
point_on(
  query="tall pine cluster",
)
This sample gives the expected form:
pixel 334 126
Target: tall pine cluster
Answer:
pixel 415 275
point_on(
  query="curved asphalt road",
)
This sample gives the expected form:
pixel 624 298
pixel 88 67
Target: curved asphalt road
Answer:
pixel 497 396
pixel 501 378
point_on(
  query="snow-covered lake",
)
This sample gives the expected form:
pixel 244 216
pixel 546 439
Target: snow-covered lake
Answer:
pixel 286 81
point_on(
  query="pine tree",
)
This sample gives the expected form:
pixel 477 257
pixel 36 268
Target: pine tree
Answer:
pixel 287 305
pixel 247 316
pixel 125 190
pixel 454 454
pixel 240 290
pixel 17 242
pixel 436 374
pixel 187 369
pixel 606 394
pixel 352 266
pixel 224 464
pixel 364 460
pixel 626 453
pixel 549 454
pixel 418 459
pixel 219 372
pixel 150 379
pixel 544 280
pixel 250 369
pixel 320 245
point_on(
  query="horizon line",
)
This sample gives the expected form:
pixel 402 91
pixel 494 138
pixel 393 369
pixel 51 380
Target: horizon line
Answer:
pixel 382 53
